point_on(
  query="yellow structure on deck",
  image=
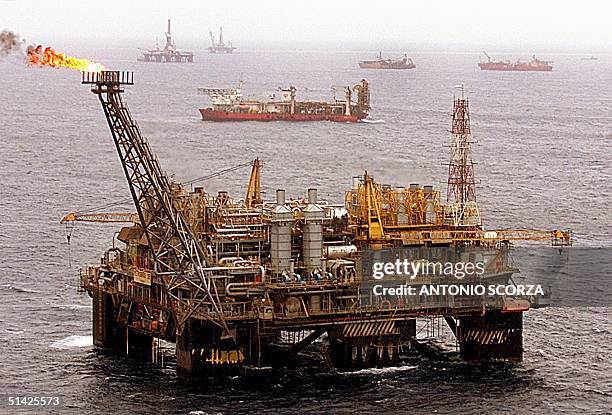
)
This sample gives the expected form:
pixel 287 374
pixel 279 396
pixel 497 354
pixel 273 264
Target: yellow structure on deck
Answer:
pixel 384 216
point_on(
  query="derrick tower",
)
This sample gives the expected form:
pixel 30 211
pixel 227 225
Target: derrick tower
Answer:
pixel 461 190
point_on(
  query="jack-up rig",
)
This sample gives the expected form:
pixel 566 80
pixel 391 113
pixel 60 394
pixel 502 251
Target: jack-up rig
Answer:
pixel 226 279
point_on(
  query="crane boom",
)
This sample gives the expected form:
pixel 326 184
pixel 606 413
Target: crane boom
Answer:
pixel 557 238
pixel 253 193
pixel 105 217
pixel 179 258
pixel 131 217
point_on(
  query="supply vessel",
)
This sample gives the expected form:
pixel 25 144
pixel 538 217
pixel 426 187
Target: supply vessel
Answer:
pixel 230 280
pixel 533 65
pixel 381 63
pixel 228 104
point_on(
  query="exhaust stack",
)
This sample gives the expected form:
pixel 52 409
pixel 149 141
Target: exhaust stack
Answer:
pixel 313 233
pixel 280 235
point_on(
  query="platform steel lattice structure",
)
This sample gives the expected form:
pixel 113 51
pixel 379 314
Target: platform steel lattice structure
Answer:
pixel 178 256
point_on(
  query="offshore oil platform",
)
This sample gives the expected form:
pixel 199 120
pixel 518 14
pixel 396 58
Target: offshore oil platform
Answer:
pixel 228 278
pixel 168 54
pixel 220 46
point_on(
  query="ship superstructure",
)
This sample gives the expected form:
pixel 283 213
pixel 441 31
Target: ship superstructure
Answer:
pixel 168 53
pixel 535 64
pixel 385 63
pixel 229 104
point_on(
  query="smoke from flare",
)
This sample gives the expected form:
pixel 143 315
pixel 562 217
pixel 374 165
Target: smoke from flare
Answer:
pixel 9 42
pixel 37 56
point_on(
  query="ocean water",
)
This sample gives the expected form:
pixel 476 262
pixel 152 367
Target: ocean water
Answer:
pixel 543 144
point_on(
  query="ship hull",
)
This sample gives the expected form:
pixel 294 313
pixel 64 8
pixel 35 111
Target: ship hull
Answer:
pixel 376 65
pixel 514 68
pixel 209 114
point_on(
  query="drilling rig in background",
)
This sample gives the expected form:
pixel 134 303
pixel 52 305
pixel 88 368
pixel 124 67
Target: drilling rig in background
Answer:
pixel 168 54
pixel 230 280
pixel 220 46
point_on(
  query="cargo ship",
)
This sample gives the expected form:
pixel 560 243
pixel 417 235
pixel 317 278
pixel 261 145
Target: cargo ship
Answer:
pixel 380 63
pixel 228 104
pixel 534 65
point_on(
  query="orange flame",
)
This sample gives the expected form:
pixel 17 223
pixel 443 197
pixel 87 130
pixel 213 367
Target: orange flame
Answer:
pixel 37 56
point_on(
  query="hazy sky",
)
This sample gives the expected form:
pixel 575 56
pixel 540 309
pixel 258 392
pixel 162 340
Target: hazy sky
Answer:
pixel 511 24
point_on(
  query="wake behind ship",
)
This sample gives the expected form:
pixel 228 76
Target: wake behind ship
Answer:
pixel 534 65
pixel 228 104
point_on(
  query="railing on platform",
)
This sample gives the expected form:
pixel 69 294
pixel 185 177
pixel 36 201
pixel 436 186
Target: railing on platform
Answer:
pixel 109 78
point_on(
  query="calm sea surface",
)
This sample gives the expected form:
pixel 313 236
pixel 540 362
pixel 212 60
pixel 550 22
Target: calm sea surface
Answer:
pixel 543 148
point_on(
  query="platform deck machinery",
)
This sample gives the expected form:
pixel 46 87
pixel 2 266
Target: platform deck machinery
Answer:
pixel 230 279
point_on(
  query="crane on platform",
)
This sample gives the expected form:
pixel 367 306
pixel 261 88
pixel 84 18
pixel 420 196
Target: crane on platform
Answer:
pixel 180 260
pixel 369 204
pixel 253 193
pixel 557 238
pixel 372 202
pixel 212 37
pixel 104 217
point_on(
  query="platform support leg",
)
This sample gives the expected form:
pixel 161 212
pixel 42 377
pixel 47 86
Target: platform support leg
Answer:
pixel 187 363
pixel 138 345
pixel 495 335
pixel 201 348
pixel 107 334
pixel 369 345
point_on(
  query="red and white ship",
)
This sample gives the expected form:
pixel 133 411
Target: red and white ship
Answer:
pixel 534 65
pixel 228 104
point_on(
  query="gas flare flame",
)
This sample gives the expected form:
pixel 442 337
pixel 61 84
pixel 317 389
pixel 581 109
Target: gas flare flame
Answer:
pixel 39 56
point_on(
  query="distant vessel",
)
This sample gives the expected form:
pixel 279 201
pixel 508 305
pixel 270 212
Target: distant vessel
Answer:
pixel 168 54
pixel 220 47
pixel 228 104
pixel 534 65
pixel 403 63
pixel 590 58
